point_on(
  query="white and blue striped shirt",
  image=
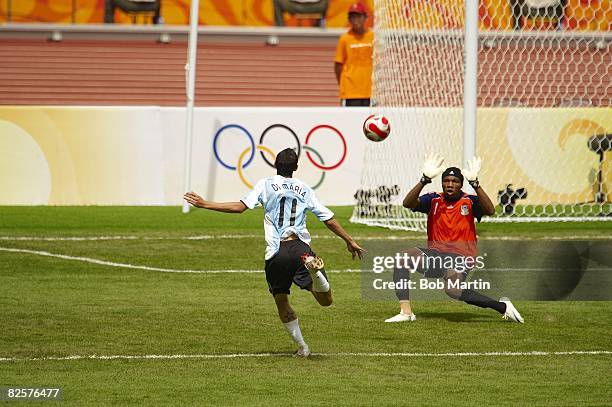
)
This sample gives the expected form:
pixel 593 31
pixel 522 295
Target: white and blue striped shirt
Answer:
pixel 285 202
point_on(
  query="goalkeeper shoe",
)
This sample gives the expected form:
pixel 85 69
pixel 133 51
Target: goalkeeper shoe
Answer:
pixel 401 317
pixel 511 313
pixel 302 352
pixel 312 263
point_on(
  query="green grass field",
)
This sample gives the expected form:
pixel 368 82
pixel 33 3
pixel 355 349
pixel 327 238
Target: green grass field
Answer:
pixel 156 337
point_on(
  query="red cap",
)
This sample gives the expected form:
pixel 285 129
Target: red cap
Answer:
pixel 357 8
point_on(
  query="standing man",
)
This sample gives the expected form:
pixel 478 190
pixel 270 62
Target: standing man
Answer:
pixel 451 236
pixel 289 258
pixel 353 61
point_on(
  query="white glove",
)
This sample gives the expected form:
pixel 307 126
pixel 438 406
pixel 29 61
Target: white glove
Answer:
pixel 470 172
pixel 432 167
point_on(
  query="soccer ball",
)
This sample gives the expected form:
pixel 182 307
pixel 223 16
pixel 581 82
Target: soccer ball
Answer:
pixel 376 127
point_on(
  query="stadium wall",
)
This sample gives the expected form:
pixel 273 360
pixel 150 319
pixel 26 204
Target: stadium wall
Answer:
pixel 583 15
pixel 212 12
pixel 135 155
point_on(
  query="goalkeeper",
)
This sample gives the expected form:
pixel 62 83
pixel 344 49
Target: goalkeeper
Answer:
pixel 451 234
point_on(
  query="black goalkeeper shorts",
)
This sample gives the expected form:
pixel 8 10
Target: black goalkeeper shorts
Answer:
pixel 437 263
pixel 286 267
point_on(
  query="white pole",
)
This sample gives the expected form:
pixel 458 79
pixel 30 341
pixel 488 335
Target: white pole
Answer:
pixel 470 82
pixel 191 76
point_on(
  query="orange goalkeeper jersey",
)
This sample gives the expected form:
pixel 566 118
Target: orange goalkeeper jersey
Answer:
pixel 450 225
pixel 354 52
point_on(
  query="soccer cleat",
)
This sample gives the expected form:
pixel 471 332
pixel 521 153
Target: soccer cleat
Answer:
pixel 302 352
pixel 511 313
pixel 312 263
pixel 401 317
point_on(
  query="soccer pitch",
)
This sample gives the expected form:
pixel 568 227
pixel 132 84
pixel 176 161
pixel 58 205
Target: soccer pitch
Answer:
pixel 147 306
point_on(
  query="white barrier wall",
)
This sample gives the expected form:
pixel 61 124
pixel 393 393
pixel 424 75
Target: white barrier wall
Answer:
pixel 135 156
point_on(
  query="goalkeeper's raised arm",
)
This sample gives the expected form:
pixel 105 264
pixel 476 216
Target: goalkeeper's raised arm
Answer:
pixel 432 167
pixel 452 181
pixel 470 172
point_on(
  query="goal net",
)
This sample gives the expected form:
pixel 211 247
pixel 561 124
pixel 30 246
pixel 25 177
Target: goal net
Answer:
pixel 544 123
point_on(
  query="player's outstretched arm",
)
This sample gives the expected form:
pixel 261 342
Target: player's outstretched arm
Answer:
pixel 351 244
pixel 471 174
pixel 432 167
pixel 229 207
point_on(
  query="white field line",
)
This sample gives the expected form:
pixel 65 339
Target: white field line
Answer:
pixel 137 267
pixel 260 236
pixel 246 271
pixel 200 237
pixel 96 238
pixel 339 354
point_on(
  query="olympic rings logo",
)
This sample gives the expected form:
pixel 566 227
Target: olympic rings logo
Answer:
pixel 250 151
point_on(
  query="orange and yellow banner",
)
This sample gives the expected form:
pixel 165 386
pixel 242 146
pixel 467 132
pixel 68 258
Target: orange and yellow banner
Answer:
pixel 587 15
pixel 212 12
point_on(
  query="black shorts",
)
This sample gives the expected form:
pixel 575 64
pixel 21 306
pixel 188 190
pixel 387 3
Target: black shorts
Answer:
pixel 437 263
pixel 355 102
pixel 286 267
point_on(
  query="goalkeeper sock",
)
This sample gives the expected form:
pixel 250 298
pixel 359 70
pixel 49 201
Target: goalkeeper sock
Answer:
pixel 401 277
pixel 319 282
pixel 293 327
pixel 474 298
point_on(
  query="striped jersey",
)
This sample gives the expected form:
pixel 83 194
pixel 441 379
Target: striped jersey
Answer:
pixel 285 202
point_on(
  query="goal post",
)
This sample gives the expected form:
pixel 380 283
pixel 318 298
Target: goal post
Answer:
pixel 543 122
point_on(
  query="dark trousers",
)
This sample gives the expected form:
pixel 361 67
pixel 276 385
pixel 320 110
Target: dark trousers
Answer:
pixel 355 102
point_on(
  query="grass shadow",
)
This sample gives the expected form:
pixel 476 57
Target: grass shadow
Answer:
pixel 456 316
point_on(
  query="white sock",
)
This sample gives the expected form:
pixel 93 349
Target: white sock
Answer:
pixel 319 282
pixel 293 327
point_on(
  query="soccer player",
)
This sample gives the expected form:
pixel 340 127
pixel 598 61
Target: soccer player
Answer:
pixel 451 233
pixel 288 256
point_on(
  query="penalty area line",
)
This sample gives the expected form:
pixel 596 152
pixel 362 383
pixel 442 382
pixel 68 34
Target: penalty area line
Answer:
pixel 338 354
pixel 414 236
pixel 222 271
pixel 138 267
pixel 196 237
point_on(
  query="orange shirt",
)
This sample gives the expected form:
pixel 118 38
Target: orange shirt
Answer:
pixel 354 52
pixel 450 225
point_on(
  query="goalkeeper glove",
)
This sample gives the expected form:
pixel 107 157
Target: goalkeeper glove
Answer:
pixel 470 172
pixel 432 167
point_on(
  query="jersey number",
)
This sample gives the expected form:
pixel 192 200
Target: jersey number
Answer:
pixel 281 213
